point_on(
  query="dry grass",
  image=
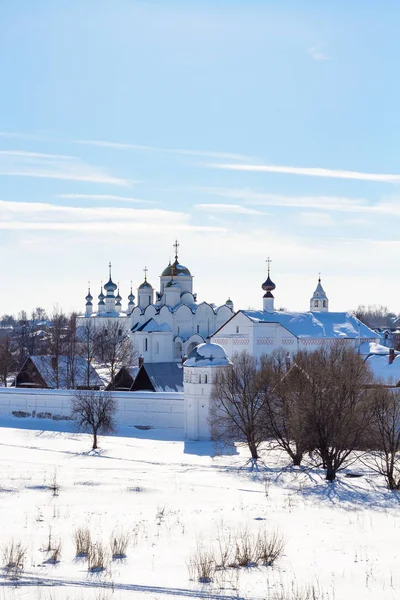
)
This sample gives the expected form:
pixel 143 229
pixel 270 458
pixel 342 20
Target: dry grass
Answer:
pixel 83 541
pixel 14 559
pixel 119 544
pixel 97 558
pixel 202 566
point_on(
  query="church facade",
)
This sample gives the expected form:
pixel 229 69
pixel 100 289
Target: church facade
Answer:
pixel 264 331
pixel 165 324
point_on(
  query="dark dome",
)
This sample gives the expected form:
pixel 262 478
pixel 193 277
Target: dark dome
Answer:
pixel 268 285
pixel 145 284
pixel 174 270
pixel 110 286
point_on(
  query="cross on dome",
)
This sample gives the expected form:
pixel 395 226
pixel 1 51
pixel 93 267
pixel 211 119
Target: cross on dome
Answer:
pixel 145 273
pixel 176 246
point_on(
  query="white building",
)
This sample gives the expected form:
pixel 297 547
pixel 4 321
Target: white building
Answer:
pixel 262 332
pixel 199 372
pixel 166 324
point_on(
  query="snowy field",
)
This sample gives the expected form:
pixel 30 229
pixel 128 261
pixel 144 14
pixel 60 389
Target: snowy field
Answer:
pixel 171 496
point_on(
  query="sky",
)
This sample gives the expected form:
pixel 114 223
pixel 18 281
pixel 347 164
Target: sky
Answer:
pixel 243 129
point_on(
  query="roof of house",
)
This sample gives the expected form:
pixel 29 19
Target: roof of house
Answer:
pixel 387 373
pixel 151 326
pixel 315 324
pixel 165 376
pixel 45 366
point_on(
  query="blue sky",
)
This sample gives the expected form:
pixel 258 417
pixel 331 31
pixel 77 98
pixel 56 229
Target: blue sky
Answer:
pixel 244 129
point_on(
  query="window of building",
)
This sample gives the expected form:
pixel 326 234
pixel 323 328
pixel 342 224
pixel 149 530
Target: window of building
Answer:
pixel 157 347
pixel 316 303
pixel 178 329
pixel 205 379
pixel 324 303
pixel 198 328
pixel 237 328
pixel 145 344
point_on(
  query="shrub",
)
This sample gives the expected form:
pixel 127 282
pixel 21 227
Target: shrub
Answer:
pixel 83 541
pixel 55 555
pixel 246 549
pixel 269 548
pixel 14 558
pixel 202 566
pixel 97 558
pixel 21 414
pixel 119 543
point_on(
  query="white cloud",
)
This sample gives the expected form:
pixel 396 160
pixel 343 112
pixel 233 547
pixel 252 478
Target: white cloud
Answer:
pixel 256 198
pixel 105 197
pixel 51 217
pixel 20 163
pixel 317 54
pixel 311 172
pixel 205 153
pixel 229 208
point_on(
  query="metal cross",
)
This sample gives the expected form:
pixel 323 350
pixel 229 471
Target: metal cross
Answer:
pixel 145 273
pixel 176 246
pixel 268 261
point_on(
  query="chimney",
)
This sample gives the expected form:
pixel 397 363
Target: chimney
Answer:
pixel 391 355
pixel 141 360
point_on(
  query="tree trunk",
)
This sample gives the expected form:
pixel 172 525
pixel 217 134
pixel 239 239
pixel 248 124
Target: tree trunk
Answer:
pixel 253 450
pixel 330 472
pixel 297 458
pixel 94 447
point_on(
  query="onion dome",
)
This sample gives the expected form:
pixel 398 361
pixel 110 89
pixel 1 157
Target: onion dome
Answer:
pixel 145 284
pixel 118 297
pixel 110 286
pixel 268 285
pixel 208 355
pixel 175 269
pixel 101 296
pixel 89 298
pixel 131 297
pixel 229 302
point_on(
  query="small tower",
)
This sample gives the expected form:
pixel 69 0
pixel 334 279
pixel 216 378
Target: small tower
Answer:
pixel 131 301
pixel 180 273
pixel 89 303
pixel 199 372
pixel 110 288
pixel 118 305
pixel 229 304
pixel 145 292
pixel 101 304
pixel 268 286
pixel 319 301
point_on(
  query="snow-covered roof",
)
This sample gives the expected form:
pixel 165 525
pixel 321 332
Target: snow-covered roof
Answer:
pixel 46 366
pixel 207 355
pixel 368 348
pixel 389 374
pixel 315 325
pixel 151 326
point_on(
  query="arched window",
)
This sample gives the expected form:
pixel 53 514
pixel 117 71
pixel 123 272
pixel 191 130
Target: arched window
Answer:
pixel 198 328
pixel 205 379
pixel 324 303
pixel 145 344
pixel 316 303
pixel 178 350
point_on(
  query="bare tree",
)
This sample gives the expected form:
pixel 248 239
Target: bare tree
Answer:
pixel 238 404
pixel 114 348
pixel 385 433
pixel 94 413
pixel 375 315
pixel 285 410
pixel 338 408
pixel 57 338
pixel 8 358
pixel 87 338
pixel 70 350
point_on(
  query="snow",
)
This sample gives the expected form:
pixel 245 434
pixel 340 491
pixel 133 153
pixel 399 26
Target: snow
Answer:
pixel 316 325
pixel 173 494
pixel 207 355
pixel 389 374
pixel 367 348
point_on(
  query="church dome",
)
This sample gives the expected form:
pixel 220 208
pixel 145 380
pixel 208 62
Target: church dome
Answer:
pixel 208 355
pixel 101 296
pixel 268 285
pixel 110 286
pixel 118 297
pixel 144 285
pixel 229 302
pixel 131 297
pixel 89 297
pixel 175 269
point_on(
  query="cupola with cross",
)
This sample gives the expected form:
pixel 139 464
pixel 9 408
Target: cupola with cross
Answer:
pixel 180 274
pixel 145 292
pixel 268 286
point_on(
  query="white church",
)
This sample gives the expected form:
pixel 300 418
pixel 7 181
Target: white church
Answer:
pixel 164 325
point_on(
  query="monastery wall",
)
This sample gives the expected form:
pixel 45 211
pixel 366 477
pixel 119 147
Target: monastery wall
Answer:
pixel 164 410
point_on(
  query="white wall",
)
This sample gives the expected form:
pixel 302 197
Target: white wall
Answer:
pixel 156 409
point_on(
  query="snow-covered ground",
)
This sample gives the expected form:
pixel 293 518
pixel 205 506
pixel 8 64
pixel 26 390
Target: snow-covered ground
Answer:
pixel 172 495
